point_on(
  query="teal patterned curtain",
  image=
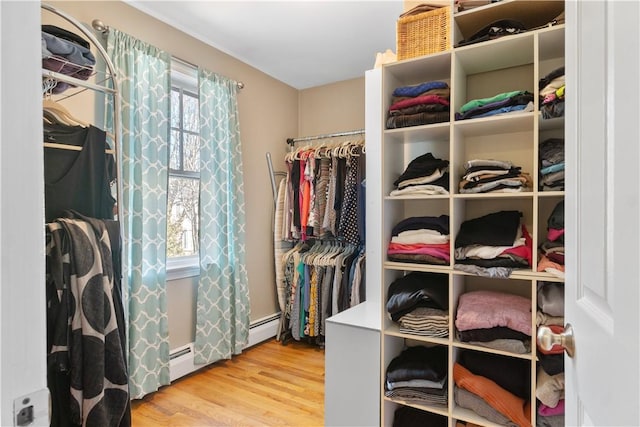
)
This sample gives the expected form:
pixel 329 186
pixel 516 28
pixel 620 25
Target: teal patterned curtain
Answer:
pixel 144 77
pixel 222 314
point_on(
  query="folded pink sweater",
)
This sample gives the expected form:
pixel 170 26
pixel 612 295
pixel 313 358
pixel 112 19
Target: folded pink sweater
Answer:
pixel 548 411
pixel 488 309
pixel 418 100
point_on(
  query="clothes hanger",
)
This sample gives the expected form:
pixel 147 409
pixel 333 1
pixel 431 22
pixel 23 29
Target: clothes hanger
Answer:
pixel 319 260
pixel 64 117
pixel 307 153
pixel 335 152
pixel 307 255
pixel 328 253
pixel 329 249
pixel 296 153
pixel 332 253
pixel 49 118
pixel 341 150
pixel 349 249
pixel 332 151
pixel 290 252
pixel 337 249
pixel 341 257
pixel 290 156
pixel 62 113
pixel 354 148
pixel 320 253
pixel 304 256
pixel 318 150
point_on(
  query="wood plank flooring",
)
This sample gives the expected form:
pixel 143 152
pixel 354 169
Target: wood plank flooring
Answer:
pixel 267 385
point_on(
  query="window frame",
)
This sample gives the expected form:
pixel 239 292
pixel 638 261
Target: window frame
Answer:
pixel 184 78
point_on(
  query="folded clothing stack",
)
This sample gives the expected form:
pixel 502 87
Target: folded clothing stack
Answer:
pixel 419 302
pixel 493 386
pixel 550 377
pixel 419 375
pixel 495 30
pixel 66 53
pixel 420 104
pixel 407 416
pixel 550 416
pixel 518 101
pixel 488 175
pixel 551 89
pixel 425 175
pixel 494 240
pixel 495 320
pixel 551 153
pixel 550 395
pixel 552 249
pixel 423 240
pixel 550 311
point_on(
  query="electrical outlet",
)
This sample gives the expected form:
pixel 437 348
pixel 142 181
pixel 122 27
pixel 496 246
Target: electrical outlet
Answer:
pixel 32 409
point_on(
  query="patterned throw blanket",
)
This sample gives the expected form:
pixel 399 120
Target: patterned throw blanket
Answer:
pixel 87 368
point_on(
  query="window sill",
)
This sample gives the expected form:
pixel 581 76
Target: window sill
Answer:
pixel 182 267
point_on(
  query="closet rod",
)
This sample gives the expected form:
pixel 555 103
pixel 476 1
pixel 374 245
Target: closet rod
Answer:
pixel 292 141
pixel 72 147
pixel 82 83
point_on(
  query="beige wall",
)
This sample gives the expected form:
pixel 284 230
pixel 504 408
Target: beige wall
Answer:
pixel 181 310
pixel 270 112
pixel 336 107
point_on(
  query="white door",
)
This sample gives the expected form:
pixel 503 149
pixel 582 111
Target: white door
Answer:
pixel 602 212
pixel 23 335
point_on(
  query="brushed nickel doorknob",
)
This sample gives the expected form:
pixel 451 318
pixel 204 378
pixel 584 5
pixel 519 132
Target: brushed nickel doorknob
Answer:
pixel 547 339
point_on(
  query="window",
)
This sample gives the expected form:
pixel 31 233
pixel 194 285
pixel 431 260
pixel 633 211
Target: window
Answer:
pixel 184 169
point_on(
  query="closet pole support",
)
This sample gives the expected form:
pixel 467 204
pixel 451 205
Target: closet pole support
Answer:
pixel 114 90
pixel 77 82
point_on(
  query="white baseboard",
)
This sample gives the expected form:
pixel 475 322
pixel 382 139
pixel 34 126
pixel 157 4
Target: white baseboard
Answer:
pixel 182 364
pixel 263 329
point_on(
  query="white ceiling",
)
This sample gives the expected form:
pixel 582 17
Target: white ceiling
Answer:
pixel 303 43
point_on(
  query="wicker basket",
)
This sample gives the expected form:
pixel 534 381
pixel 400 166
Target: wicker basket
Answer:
pixel 423 33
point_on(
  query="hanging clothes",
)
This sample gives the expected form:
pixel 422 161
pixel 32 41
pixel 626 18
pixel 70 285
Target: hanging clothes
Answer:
pixel 78 180
pixel 348 226
pixel 280 245
pixel 320 281
pixel 321 188
pixel 85 339
pixel 323 205
pixel 327 192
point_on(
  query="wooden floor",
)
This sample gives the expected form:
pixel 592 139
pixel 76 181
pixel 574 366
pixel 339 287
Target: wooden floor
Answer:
pixel 267 385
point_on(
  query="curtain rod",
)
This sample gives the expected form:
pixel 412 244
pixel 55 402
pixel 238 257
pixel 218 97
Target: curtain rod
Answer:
pixel 102 28
pixel 292 141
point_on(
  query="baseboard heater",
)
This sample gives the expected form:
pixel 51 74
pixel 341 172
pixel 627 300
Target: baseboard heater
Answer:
pixel 181 359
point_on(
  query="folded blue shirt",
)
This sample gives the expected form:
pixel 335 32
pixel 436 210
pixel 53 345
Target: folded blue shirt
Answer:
pixel 72 52
pixel 502 110
pixel 553 168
